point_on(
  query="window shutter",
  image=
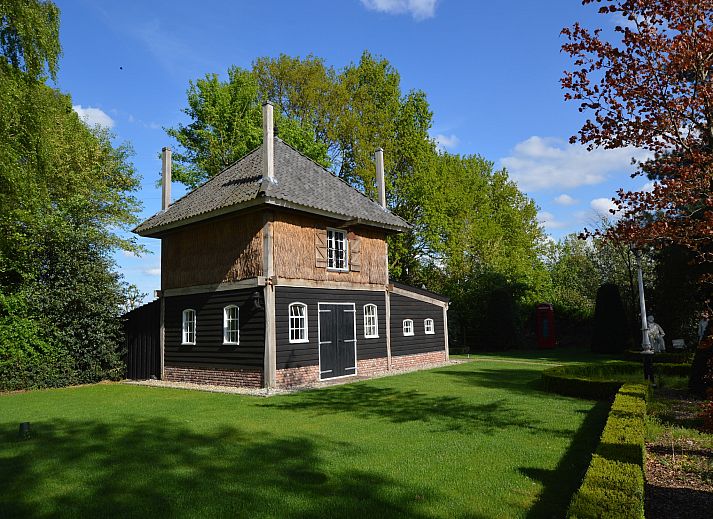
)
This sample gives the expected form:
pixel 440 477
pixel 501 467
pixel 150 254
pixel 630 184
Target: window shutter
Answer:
pixel 355 254
pixel 320 247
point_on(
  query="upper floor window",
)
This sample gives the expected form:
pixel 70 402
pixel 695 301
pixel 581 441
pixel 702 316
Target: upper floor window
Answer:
pixel 337 249
pixel 408 327
pixel 428 325
pixel 231 325
pixel 371 326
pixel 189 327
pixel 298 322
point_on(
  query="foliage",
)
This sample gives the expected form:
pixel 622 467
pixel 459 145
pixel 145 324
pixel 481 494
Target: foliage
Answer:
pixel 611 329
pixel 649 86
pixel 614 483
pixel 29 36
pixel 65 194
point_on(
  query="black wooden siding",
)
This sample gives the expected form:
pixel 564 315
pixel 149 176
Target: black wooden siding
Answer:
pixel 142 330
pixel 406 308
pixel 209 351
pixel 307 354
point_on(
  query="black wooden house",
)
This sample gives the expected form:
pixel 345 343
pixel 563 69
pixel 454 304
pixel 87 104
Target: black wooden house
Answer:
pixel 275 273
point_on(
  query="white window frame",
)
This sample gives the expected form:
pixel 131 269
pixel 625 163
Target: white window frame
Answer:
pixel 429 326
pixel 188 318
pixel 297 318
pixel 332 250
pixel 227 331
pixel 368 325
pixel 408 327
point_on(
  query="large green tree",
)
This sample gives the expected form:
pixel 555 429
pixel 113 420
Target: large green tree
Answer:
pixel 65 193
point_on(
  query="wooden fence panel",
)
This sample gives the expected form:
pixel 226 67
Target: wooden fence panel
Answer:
pixel 142 328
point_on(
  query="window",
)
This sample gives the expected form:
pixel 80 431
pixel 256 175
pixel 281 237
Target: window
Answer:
pixel 336 249
pixel 231 325
pixel 371 326
pixel 298 322
pixel 408 327
pixel 428 325
pixel 189 326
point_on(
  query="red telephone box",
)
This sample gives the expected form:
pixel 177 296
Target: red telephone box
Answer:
pixel 545 316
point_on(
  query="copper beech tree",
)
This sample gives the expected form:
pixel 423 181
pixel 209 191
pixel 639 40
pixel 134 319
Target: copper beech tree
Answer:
pixel 646 81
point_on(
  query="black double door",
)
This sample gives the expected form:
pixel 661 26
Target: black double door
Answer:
pixel 337 340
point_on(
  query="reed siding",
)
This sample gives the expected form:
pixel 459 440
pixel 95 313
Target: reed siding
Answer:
pixel 307 354
pixel 406 308
pixel 209 351
pixel 205 253
pixel 295 250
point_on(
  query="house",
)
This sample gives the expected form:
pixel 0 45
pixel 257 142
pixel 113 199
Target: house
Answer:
pixel 275 273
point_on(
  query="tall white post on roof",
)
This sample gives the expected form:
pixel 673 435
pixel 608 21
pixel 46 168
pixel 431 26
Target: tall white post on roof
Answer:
pixel 268 142
pixel 380 185
pixel 165 178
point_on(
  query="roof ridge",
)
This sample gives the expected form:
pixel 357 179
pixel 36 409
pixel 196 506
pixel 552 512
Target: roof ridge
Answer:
pixel 340 179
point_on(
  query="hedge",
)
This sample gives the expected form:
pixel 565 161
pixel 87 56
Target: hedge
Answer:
pixel 613 486
pixel 680 357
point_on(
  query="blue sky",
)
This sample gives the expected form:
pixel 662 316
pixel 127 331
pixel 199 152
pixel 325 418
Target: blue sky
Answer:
pixel 490 70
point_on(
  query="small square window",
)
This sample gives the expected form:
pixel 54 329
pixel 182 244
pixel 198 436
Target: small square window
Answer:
pixel 408 327
pixel 371 325
pixel 429 327
pixel 298 322
pixel 337 250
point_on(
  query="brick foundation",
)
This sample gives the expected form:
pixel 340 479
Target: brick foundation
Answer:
pixel 215 376
pixel 418 360
pixel 296 376
pixel 371 367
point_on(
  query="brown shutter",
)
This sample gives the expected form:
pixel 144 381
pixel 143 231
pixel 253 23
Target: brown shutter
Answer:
pixel 320 247
pixel 354 253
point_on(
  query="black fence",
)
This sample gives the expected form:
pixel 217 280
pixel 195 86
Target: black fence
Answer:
pixel 142 329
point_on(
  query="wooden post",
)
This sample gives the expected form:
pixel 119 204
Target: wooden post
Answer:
pixel 445 330
pixel 270 365
pixel 162 335
pixel 388 328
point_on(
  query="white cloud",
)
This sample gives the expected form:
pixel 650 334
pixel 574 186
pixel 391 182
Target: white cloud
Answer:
pixel 544 162
pixel 153 271
pixel 93 116
pixel 446 141
pixel 129 254
pixel 602 206
pixel 549 221
pixel 565 199
pixel 419 9
pixel 648 187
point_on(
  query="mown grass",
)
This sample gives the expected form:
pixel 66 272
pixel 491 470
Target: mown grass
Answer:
pixel 474 440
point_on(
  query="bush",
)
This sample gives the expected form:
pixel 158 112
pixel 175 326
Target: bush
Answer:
pixel 668 357
pixel 613 486
pixel 611 330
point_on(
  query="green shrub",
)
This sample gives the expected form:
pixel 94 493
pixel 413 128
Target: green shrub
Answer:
pixel 613 486
pixel 610 333
pixel 668 357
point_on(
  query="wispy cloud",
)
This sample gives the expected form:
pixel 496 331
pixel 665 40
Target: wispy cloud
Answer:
pixel 549 221
pixel 446 141
pixel 153 271
pixel 544 162
pixel 93 116
pixel 565 199
pixel 418 9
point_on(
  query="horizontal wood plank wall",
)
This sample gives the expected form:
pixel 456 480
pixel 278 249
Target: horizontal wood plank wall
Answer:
pixel 209 351
pixel 225 249
pixel 307 354
pixel 294 246
pixel 406 308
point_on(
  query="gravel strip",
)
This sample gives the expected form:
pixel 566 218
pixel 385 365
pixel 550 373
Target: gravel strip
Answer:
pixel 282 391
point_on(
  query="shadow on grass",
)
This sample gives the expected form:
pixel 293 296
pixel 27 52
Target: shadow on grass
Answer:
pixel 519 380
pixel 163 469
pixel 444 413
pixel 560 484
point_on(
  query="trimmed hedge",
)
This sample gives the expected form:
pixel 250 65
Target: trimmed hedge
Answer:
pixel 667 357
pixel 600 381
pixel 613 486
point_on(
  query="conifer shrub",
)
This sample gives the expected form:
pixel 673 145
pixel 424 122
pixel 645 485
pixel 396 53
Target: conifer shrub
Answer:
pixel 610 333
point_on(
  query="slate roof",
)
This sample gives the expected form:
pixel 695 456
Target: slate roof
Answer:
pixel 300 183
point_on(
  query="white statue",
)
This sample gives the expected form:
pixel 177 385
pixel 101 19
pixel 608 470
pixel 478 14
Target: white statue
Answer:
pixel 702 326
pixel 656 335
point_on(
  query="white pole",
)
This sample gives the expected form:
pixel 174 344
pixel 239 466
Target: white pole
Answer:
pixel 645 343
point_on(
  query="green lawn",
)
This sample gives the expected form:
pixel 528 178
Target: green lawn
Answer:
pixel 474 440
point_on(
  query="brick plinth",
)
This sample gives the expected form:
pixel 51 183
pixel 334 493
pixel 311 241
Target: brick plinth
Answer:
pixel 371 367
pixel 215 376
pixel 418 360
pixel 296 376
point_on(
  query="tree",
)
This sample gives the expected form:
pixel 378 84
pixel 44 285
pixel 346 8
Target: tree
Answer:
pixel 650 86
pixel 611 329
pixel 65 194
